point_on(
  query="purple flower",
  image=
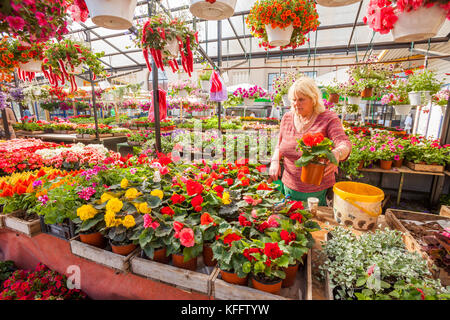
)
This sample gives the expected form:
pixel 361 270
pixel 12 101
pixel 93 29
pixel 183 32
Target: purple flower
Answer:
pixel 86 193
pixel 37 183
pixel 43 199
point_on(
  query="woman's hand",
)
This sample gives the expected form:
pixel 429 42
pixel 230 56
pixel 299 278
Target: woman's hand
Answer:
pixel 332 168
pixel 274 170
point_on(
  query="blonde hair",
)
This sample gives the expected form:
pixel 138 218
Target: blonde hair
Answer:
pixel 307 87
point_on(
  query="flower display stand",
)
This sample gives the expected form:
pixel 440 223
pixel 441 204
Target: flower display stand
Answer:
pixel 395 219
pixel 112 14
pixel 420 24
pixel 101 256
pixel 336 3
pixel 28 228
pixel 425 167
pixel 301 290
pixel 65 230
pixel 208 10
pixel 199 281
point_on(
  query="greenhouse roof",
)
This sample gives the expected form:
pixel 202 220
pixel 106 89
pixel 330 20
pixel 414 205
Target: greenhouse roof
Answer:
pixel 341 30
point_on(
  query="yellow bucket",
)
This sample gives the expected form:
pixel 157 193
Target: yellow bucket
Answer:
pixel 357 204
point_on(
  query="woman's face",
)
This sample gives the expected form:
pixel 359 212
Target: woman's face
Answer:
pixel 303 105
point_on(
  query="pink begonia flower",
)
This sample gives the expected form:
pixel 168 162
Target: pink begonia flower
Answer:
pixel 17 23
pixel 254 213
pixel 149 223
pixel 273 223
pixel 187 237
pixel 41 19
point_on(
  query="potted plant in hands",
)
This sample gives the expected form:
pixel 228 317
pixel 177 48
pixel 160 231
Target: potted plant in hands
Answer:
pixel 282 23
pixel 316 152
pixel 421 85
pixel 228 252
pixel 266 263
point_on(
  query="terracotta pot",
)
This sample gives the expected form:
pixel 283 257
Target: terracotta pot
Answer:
pixel 397 163
pixel 385 165
pixel 123 250
pixel 95 239
pixel 159 255
pixel 334 98
pixel 291 274
pixel 273 287
pixel 208 256
pixel 367 92
pixel 313 173
pixel 231 277
pixel 178 261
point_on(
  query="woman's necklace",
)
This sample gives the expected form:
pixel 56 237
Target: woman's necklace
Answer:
pixel 302 123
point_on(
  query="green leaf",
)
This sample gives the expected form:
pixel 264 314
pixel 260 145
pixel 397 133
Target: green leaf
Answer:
pixel 259 267
pixel 361 281
pixel 247 267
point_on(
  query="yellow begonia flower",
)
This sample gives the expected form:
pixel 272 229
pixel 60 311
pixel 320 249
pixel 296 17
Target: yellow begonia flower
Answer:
pixel 114 205
pixel 105 197
pixel 132 194
pixel 86 212
pixel 110 219
pixel 129 221
pixel 124 183
pixel 226 198
pixel 143 208
pixel 157 193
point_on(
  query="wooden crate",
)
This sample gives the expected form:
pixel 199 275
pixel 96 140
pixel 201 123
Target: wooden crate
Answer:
pixel 301 290
pixel 393 218
pixel 29 228
pixel 101 256
pixel 2 218
pixel 425 167
pixel 445 211
pixel 181 278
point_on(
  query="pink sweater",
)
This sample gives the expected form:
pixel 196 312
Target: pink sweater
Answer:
pixel 329 124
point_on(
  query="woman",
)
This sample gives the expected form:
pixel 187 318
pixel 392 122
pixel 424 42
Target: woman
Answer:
pixel 11 119
pixel 308 114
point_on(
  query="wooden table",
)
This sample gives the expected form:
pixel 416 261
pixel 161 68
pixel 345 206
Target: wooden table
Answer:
pixel 402 171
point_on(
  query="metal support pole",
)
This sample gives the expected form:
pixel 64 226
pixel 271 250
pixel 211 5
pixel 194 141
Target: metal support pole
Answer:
pixel 94 104
pixel 219 63
pixel 156 106
pixel 400 188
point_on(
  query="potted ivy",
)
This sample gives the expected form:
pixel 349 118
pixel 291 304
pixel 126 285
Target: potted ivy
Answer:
pixel 408 22
pixel 287 26
pixel 421 85
pixel 316 150
pixel 212 10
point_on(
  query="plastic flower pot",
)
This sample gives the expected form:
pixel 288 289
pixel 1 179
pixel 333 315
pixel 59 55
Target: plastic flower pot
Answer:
pixel 248 102
pixel 112 14
pixel 402 110
pixel 95 239
pixel 286 101
pixel 123 250
pixel 291 274
pixel 205 85
pixel 385 164
pixel 279 37
pixel 333 98
pixel 313 173
pixel 31 66
pixel 208 259
pixel 367 93
pixel 159 255
pixel 420 24
pixel 232 278
pixel 354 100
pixel 336 3
pixel 178 261
pixel 397 163
pixel 273 287
pixel 218 10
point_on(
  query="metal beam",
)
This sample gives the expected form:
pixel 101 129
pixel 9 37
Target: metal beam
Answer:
pixel 237 37
pixel 431 53
pixel 354 25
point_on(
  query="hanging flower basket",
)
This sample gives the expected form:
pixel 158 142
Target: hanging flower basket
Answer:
pixel 205 85
pixel 333 98
pixel 32 66
pixel 279 37
pixel 367 93
pixel 212 10
pixel 112 14
pixel 415 97
pixel 336 3
pixel 402 110
pixel 171 50
pixel 354 99
pixel 419 24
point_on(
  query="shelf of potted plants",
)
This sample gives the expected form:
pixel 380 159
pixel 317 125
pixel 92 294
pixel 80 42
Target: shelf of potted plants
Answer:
pixel 282 23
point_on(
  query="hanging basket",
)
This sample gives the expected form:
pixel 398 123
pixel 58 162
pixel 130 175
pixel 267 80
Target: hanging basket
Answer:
pixel 367 93
pixel 420 24
pixel 333 98
pixel 336 3
pixel 286 101
pixel 219 10
pixel 31 66
pixel 173 48
pixel 278 37
pixel 418 98
pixel 354 100
pixel 205 85
pixel 112 14
pixel 402 110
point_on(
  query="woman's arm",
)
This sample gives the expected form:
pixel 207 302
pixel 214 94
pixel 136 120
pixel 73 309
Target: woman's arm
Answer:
pixel 342 144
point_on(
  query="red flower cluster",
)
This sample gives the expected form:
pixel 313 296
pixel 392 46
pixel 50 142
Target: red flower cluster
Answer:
pixel 244 222
pixel 197 202
pixel 287 237
pixel 168 211
pixel 272 250
pixel 313 139
pixel 206 219
pixel 176 198
pixel 193 187
pixel 230 238
pixel 247 253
